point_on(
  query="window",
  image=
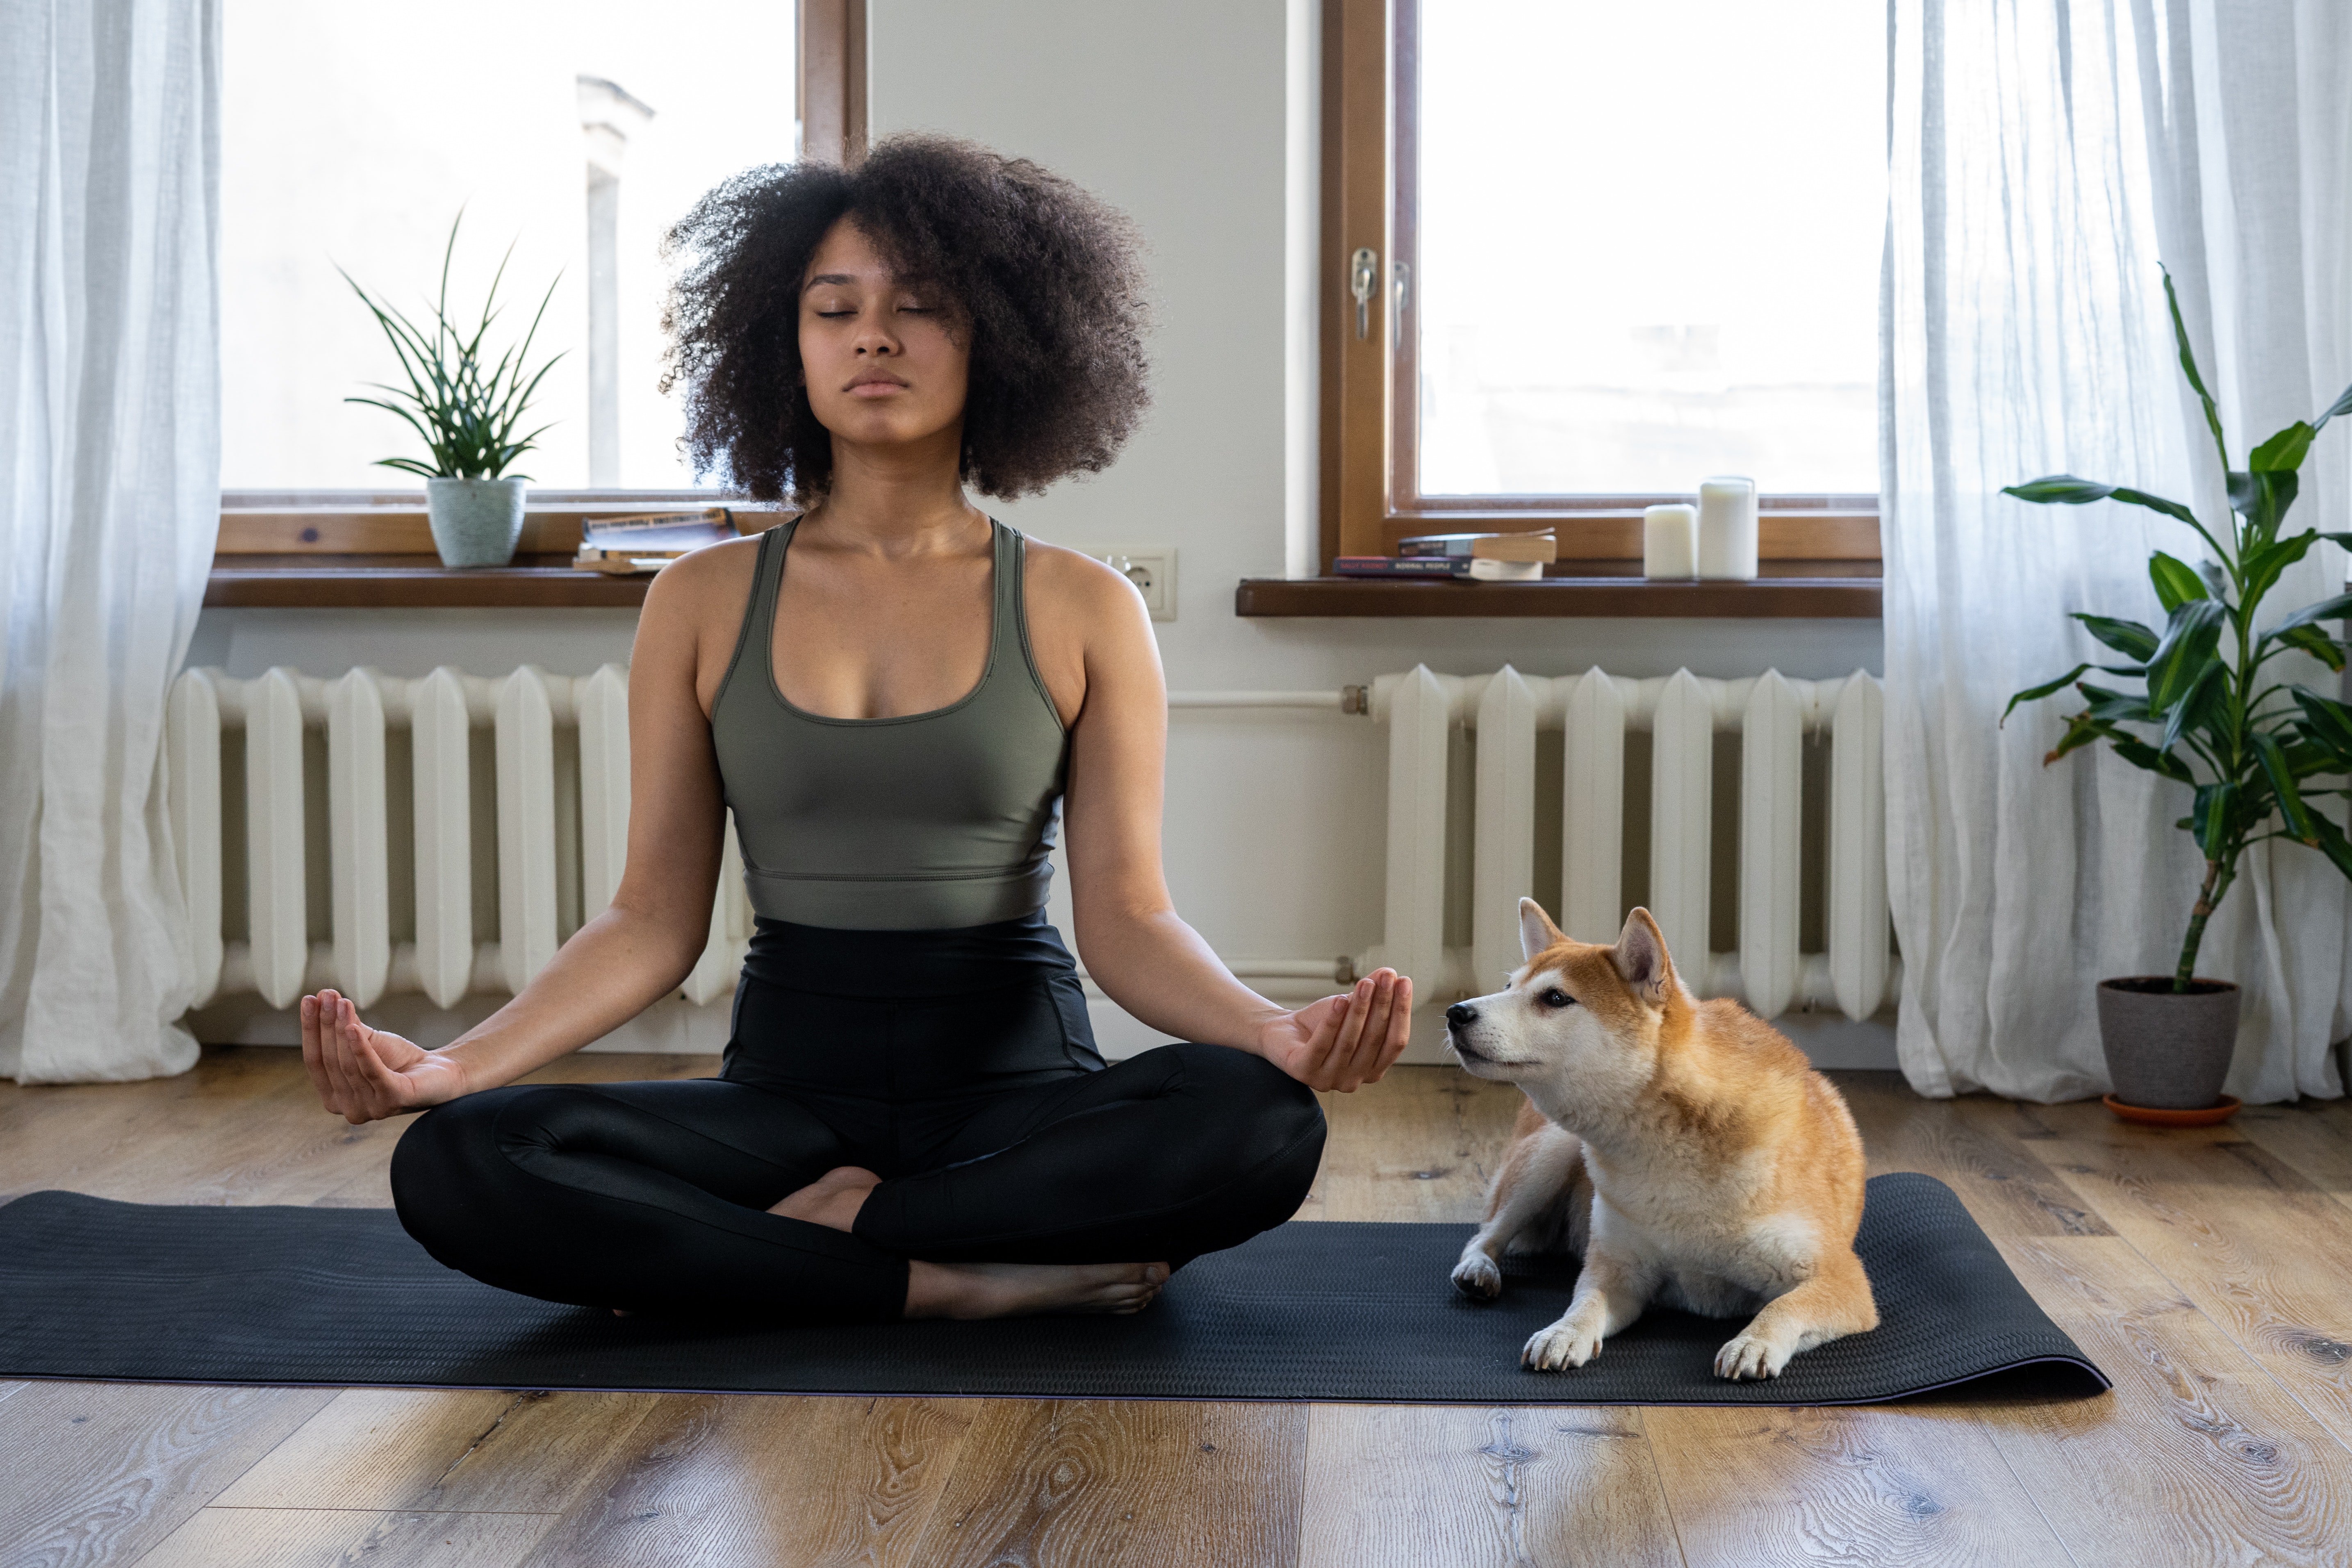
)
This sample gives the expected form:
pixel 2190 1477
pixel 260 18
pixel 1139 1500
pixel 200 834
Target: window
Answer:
pixel 574 133
pixel 1580 255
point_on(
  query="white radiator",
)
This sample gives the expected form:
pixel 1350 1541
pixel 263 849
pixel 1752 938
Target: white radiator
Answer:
pixel 1511 714
pixel 560 777
pixel 557 769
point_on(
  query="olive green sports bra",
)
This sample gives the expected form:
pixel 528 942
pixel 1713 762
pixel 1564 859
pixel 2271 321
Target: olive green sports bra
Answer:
pixel 921 822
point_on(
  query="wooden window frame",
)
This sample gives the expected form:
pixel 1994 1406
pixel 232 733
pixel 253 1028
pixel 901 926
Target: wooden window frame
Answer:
pixel 833 81
pixel 1370 405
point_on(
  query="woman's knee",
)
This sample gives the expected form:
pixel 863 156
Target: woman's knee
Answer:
pixel 1279 1117
pixel 450 1170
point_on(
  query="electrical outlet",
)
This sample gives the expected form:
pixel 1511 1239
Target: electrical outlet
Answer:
pixel 1151 568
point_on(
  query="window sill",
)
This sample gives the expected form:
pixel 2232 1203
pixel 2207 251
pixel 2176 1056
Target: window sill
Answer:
pixel 407 582
pixel 361 549
pixel 1809 590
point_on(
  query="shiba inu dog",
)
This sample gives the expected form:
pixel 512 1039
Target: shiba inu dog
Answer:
pixel 1688 1149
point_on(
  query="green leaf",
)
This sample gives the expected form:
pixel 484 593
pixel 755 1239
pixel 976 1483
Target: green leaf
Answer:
pixel 2036 693
pixel 2260 568
pixel 2060 489
pixel 2123 637
pixel 2334 609
pixel 2332 842
pixel 2065 490
pixel 2176 581
pixel 2284 450
pixel 2263 499
pixel 464 409
pixel 2116 707
pixel 2197 706
pixel 2328 721
pixel 2282 777
pixel 2341 406
pixel 2183 659
pixel 2328 650
pixel 2081 729
pixel 2188 366
pixel 2214 816
pixel 2140 754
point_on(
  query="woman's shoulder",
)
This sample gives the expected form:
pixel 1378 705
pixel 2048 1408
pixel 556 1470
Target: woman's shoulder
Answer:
pixel 696 583
pixel 1077 582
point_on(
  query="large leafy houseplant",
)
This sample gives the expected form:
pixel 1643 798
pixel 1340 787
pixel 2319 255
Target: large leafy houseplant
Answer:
pixel 2259 754
pixel 464 406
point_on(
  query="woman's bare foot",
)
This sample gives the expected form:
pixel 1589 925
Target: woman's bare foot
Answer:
pixel 1025 1289
pixel 831 1200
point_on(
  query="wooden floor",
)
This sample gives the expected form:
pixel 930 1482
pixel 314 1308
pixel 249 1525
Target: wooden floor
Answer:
pixel 2210 1272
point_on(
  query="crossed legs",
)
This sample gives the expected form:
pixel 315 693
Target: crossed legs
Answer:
pixel 662 1196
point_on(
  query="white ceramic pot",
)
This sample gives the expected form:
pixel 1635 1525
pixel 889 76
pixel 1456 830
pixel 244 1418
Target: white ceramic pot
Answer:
pixel 476 523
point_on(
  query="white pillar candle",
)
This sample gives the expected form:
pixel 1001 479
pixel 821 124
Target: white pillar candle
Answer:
pixel 1726 528
pixel 1670 540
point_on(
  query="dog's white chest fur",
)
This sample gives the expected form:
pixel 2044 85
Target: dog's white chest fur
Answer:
pixel 1697 1232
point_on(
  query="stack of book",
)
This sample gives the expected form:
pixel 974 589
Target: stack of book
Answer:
pixel 618 546
pixel 1471 557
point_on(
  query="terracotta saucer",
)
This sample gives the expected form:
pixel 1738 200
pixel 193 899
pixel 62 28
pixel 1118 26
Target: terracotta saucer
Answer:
pixel 2148 1116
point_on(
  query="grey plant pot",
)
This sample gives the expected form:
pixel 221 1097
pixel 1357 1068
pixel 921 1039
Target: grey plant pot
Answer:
pixel 476 523
pixel 2167 1052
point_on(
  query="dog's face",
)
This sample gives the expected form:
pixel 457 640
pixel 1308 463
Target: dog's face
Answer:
pixel 1579 1016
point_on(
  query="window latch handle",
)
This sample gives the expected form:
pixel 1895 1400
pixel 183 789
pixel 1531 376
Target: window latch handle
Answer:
pixel 1363 277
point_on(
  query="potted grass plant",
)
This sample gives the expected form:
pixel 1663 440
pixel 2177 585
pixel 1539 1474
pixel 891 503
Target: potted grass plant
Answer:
pixel 466 408
pixel 2261 757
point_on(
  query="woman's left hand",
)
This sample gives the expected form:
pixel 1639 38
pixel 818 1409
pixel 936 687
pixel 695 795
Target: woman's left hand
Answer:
pixel 1345 1041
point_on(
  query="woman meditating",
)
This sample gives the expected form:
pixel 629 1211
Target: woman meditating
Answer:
pixel 896 696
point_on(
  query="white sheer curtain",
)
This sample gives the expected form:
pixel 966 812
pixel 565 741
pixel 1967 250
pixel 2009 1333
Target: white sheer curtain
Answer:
pixel 2046 158
pixel 110 414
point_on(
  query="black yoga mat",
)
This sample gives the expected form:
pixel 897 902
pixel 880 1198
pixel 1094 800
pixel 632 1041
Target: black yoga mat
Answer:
pixel 94 1288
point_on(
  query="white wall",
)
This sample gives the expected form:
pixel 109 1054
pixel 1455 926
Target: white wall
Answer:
pixel 1181 115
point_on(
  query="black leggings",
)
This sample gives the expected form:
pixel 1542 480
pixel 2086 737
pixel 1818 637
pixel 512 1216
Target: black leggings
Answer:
pixel 958 1065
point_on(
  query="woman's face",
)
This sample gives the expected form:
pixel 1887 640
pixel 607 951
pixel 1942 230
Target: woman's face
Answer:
pixel 882 367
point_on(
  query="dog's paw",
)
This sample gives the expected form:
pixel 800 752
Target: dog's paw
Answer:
pixel 1563 1347
pixel 1477 1276
pixel 1748 1357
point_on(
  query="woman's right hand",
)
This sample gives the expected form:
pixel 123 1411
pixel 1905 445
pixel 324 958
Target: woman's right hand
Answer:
pixel 365 1074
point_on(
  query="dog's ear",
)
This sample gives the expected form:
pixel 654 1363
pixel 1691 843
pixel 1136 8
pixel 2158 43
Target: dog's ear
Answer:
pixel 1641 957
pixel 1536 930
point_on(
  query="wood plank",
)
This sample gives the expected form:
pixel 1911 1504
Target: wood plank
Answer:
pixel 1411 1487
pixel 2257 1248
pixel 1421 1144
pixel 445 1451
pixel 2313 1136
pixel 2006 1187
pixel 405 582
pixel 406 530
pixel 1122 1484
pixel 1751 1486
pixel 97 1472
pixel 2197 1457
pixel 709 1478
pixel 305 1538
pixel 1764 598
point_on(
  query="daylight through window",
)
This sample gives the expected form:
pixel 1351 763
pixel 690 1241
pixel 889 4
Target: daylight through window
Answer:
pixel 1648 247
pixel 574 133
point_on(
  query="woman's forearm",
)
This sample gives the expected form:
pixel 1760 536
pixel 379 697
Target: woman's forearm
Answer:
pixel 613 968
pixel 1157 968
